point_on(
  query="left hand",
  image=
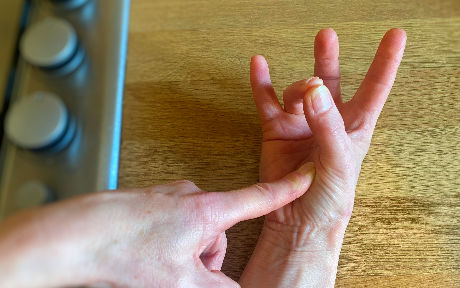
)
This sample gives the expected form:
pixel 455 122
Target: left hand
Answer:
pixel 300 243
pixel 336 139
pixel 165 236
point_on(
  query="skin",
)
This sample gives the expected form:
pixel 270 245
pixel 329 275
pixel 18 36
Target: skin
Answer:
pixel 164 236
pixel 174 235
pixel 300 243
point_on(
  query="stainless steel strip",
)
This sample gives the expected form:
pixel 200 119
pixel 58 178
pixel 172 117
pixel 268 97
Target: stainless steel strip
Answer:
pixel 93 95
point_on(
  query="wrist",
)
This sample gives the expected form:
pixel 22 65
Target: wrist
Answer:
pixel 324 237
pixel 295 256
pixel 300 245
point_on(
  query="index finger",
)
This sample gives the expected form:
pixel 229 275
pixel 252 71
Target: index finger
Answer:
pixel 225 209
pixel 265 98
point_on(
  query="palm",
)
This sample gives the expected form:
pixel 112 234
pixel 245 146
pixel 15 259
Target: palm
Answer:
pixel 288 141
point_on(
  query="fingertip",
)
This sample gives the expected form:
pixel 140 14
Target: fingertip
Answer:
pixel 313 81
pixel 397 32
pixel 307 170
pixel 259 69
pixel 311 85
pixel 303 177
pixel 324 40
pixel 395 38
pixel 317 98
pixel 258 60
pixel 294 184
pixel 326 34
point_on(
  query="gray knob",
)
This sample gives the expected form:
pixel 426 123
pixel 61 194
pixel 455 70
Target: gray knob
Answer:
pixel 69 4
pixel 32 194
pixel 51 44
pixel 37 121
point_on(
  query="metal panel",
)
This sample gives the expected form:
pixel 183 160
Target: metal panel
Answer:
pixel 93 94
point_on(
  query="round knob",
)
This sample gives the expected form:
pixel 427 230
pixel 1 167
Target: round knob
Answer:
pixel 51 45
pixel 37 122
pixel 32 194
pixel 68 4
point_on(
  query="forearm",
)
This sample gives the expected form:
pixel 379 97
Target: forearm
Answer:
pixel 32 254
pixel 307 259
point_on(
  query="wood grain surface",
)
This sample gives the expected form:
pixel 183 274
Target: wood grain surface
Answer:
pixel 189 113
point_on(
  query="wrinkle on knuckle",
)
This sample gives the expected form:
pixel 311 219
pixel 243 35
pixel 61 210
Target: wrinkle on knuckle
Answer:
pixel 333 122
pixel 330 78
pixel 336 130
pixel 387 56
pixel 377 80
pixel 204 209
pixel 326 60
pixel 267 194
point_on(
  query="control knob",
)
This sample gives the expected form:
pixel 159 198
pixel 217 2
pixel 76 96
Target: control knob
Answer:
pixel 40 122
pixel 52 45
pixel 33 194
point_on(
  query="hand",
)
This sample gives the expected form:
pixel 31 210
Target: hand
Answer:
pixel 316 126
pixel 166 236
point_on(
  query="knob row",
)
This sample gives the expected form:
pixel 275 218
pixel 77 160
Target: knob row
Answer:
pixel 41 121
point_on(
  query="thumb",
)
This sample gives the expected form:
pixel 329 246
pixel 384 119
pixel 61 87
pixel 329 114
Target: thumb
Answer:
pixel 327 125
pixel 228 208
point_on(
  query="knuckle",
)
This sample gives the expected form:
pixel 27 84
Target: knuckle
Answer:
pixel 330 77
pixel 267 193
pixel 336 126
pixel 203 207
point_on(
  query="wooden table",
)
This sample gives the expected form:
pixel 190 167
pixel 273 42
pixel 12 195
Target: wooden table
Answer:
pixel 188 113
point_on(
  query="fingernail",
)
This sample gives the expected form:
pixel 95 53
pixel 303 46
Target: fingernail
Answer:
pixel 321 99
pixel 307 168
pixel 314 81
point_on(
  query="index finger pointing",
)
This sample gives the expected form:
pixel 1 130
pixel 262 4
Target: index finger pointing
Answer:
pixel 228 208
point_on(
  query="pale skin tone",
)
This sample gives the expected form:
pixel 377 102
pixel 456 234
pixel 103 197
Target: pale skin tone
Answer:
pixel 169 235
pixel 300 243
pixel 173 235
